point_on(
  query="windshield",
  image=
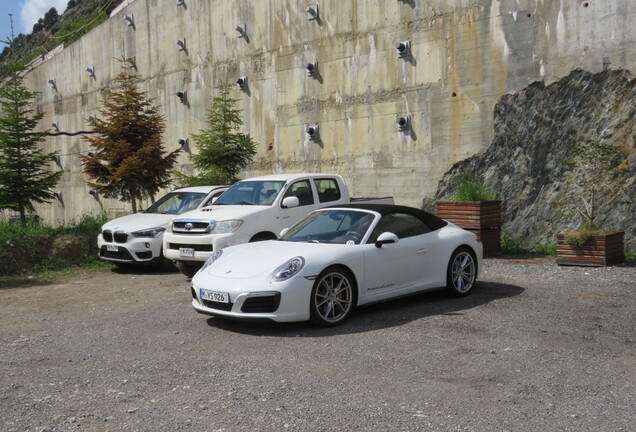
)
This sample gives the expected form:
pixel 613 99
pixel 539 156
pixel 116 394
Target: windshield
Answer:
pixel 177 203
pixel 251 193
pixel 331 226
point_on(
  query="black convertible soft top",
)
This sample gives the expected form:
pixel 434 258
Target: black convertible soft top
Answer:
pixel 432 221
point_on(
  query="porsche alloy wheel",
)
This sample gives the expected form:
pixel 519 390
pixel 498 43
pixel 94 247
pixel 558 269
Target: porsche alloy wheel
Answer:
pixel 462 271
pixel 332 297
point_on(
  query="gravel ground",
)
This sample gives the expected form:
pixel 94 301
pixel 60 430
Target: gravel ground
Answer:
pixel 536 347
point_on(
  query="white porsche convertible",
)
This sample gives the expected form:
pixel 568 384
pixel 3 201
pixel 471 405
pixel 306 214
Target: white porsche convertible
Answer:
pixel 335 259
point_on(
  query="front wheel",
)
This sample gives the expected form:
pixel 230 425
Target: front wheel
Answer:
pixel 461 273
pixel 188 269
pixel 332 297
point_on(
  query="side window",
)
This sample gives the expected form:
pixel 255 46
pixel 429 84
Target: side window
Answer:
pixel 302 190
pixel 401 224
pixel 327 189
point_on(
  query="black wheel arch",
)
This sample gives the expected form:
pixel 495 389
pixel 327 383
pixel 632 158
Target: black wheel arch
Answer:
pixel 263 235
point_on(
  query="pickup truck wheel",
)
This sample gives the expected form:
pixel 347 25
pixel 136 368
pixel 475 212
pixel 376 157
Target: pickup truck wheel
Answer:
pixel 263 237
pixel 188 269
pixel 166 265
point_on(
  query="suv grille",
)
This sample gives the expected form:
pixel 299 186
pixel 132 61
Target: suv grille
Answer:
pixel 118 236
pixel 192 226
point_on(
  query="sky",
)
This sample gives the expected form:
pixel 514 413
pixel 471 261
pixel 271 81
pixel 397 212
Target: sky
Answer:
pixel 25 14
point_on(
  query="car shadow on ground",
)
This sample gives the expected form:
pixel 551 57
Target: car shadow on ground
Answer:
pixel 140 269
pixel 378 316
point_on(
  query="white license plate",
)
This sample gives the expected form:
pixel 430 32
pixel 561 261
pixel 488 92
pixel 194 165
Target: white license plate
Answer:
pixel 186 252
pixel 112 248
pixel 215 296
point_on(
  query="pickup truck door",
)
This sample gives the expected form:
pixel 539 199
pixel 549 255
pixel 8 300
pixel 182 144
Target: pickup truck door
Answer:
pixel 303 190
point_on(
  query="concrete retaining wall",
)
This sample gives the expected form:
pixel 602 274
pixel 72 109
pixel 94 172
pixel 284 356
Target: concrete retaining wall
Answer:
pixel 464 56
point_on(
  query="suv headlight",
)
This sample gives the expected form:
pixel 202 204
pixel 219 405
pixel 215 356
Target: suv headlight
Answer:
pixel 215 256
pixel 151 232
pixel 226 226
pixel 289 269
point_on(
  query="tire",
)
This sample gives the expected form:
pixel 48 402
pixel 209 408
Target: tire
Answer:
pixel 333 297
pixel 167 265
pixel 462 272
pixel 188 269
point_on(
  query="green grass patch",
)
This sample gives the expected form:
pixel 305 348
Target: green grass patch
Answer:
pixel 40 248
pixel 468 187
pixel 512 246
pixel 76 29
pixel 44 277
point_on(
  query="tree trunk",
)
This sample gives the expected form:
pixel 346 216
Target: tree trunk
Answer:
pixel 23 219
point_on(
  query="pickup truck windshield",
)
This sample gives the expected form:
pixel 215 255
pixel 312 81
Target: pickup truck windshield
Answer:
pixel 262 193
pixel 177 203
pixel 331 226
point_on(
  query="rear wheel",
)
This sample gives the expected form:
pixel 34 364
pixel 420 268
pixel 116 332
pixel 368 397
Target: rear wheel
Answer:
pixel 187 268
pixel 332 297
pixel 461 273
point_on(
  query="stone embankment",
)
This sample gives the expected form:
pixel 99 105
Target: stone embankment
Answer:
pixel 534 132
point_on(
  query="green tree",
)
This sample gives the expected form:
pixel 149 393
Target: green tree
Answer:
pixel 25 177
pixel 130 162
pixel 223 151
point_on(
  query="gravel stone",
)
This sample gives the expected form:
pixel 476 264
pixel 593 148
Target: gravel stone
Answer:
pixel 534 347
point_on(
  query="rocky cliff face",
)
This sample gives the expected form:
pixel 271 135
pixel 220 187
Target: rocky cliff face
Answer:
pixel 534 132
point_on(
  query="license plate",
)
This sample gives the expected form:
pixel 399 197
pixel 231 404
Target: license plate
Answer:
pixel 215 296
pixel 112 248
pixel 186 252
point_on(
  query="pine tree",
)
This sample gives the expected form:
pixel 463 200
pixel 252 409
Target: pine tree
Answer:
pixel 24 175
pixel 223 151
pixel 129 162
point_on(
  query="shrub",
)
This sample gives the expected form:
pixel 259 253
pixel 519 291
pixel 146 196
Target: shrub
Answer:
pixel 468 187
pixel 40 246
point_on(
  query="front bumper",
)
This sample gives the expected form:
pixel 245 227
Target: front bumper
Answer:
pixel 201 246
pixel 287 304
pixel 142 250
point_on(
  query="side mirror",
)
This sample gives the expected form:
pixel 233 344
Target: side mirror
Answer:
pixel 386 238
pixel 283 232
pixel 291 201
pixel 213 200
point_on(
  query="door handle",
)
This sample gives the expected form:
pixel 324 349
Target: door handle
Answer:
pixel 421 251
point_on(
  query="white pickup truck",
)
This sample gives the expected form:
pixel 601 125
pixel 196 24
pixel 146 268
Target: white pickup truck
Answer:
pixel 251 210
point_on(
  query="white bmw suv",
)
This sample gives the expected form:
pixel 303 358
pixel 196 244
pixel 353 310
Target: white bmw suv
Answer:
pixel 137 238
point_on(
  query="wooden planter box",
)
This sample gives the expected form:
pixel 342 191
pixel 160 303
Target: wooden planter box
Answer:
pixel 600 251
pixel 481 217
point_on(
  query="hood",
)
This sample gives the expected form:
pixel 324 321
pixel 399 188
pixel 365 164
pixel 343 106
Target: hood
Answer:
pixel 222 212
pixel 139 221
pixel 262 258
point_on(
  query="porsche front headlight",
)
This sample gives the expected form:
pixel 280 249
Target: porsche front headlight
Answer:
pixel 215 256
pixel 150 232
pixel 289 269
pixel 226 226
